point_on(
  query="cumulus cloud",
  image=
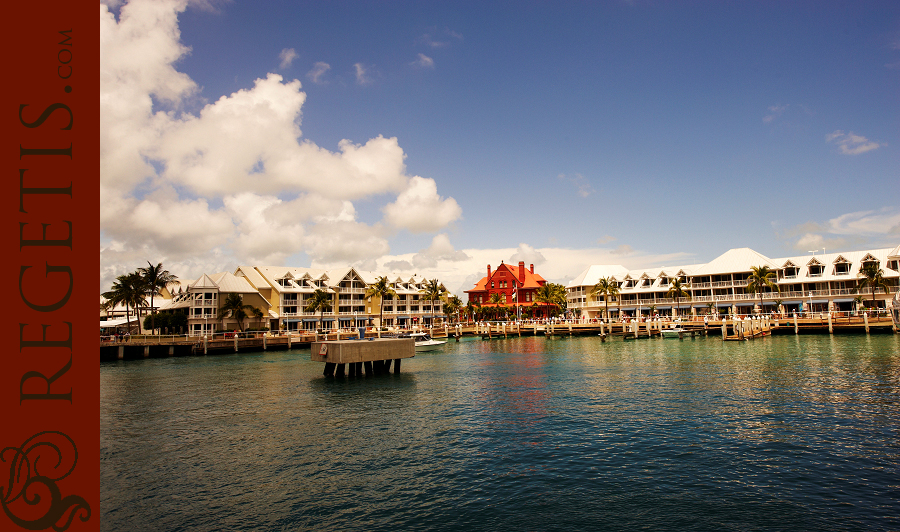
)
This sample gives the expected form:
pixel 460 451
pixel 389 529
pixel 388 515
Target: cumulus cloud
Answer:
pixel 565 264
pixel 855 229
pixel 605 239
pixel 287 57
pixel 214 185
pixel 420 209
pixel 423 61
pixel 528 255
pixel 850 144
pixel 317 74
pixel 440 250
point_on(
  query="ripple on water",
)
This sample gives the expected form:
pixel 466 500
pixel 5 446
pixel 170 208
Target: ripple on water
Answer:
pixel 784 433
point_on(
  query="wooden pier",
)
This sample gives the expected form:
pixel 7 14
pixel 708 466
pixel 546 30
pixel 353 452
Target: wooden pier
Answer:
pixel 374 354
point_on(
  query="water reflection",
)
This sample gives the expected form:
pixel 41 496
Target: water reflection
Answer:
pixel 522 433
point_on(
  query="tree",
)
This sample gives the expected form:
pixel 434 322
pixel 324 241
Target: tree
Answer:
pixel 761 278
pixel 452 306
pixel 553 296
pixel 258 314
pixel 130 290
pixel 606 287
pixel 432 292
pixel 872 276
pixel 710 307
pixel 320 302
pixel 497 299
pixel 470 311
pixel 677 291
pixel 156 278
pixel 382 290
pixel 234 304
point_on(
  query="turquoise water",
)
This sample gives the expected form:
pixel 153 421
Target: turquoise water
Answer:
pixel 786 433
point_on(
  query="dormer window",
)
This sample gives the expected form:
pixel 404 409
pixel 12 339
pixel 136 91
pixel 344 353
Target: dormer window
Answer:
pixel 842 268
pixel 791 273
pixel 663 281
pixel 816 270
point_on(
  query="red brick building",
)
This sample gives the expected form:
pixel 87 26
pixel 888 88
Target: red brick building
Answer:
pixel 518 286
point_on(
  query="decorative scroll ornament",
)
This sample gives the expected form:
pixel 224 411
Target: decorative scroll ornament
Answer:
pixel 31 498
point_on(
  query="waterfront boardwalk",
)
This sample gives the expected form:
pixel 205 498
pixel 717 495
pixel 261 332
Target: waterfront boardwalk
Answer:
pixel 138 347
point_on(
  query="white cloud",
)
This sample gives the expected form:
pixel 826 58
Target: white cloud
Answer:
pixel 423 61
pixel 528 255
pixel 420 209
pixel 774 112
pixel 850 144
pixel 582 185
pixel 287 57
pixel 232 181
pixel 856 229
pixel 317 74
pixel 440 250
pixel 565 264
pixel 362 74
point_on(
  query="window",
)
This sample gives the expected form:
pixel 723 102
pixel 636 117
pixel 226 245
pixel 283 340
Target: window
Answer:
pixel 816 270
pixel 842 268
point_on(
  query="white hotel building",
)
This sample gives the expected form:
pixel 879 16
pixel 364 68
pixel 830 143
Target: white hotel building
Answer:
pixel 815 282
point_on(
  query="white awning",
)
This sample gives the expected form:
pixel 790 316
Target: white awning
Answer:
pixel 117 322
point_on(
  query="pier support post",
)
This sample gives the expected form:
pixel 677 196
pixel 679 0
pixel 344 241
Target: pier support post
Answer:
pixel 724 329
pixel 121 354
pixel 339 371
pixel 397 365
pixel 204 344
pixel 264 341
pixel 235 343
pixel 387 365
pixel 796 327
pixel 329 369
pixel 146 351
pixel 171 350
pixel 289 339
pixel 830 327
pixel 368 366
pixel 866 321
pixel 351 369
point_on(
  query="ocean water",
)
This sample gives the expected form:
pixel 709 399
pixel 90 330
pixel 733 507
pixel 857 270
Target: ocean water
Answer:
pixel 781 433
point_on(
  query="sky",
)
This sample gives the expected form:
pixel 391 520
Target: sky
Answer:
pixel 435 138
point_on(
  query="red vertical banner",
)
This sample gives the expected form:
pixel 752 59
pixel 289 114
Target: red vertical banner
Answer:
pixel 49 381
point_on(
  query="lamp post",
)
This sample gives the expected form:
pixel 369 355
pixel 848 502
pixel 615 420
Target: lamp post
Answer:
pixel 810 303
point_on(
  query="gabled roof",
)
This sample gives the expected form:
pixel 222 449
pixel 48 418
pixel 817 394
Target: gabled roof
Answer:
pixel 733 260
pixel 204 282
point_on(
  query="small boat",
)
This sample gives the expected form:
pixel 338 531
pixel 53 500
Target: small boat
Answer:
pixel 424 342
pixel 675 331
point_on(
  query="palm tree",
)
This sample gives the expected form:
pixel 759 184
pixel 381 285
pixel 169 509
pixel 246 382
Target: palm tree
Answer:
pixel 606 287
pixel 872 276
pixel 156 279
pixel 497 299
pixel 778 303
pixel 761 278
pixel 130 290
pixel 234 304
pixel 432 292
pixel 470 311
pixel 382 290
pixel 710 307
pixel 677 290
pixel 258 314
pixel 320 302
pixel 452 306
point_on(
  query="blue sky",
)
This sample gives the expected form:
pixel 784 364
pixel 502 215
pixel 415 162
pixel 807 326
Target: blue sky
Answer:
pixel 563 133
